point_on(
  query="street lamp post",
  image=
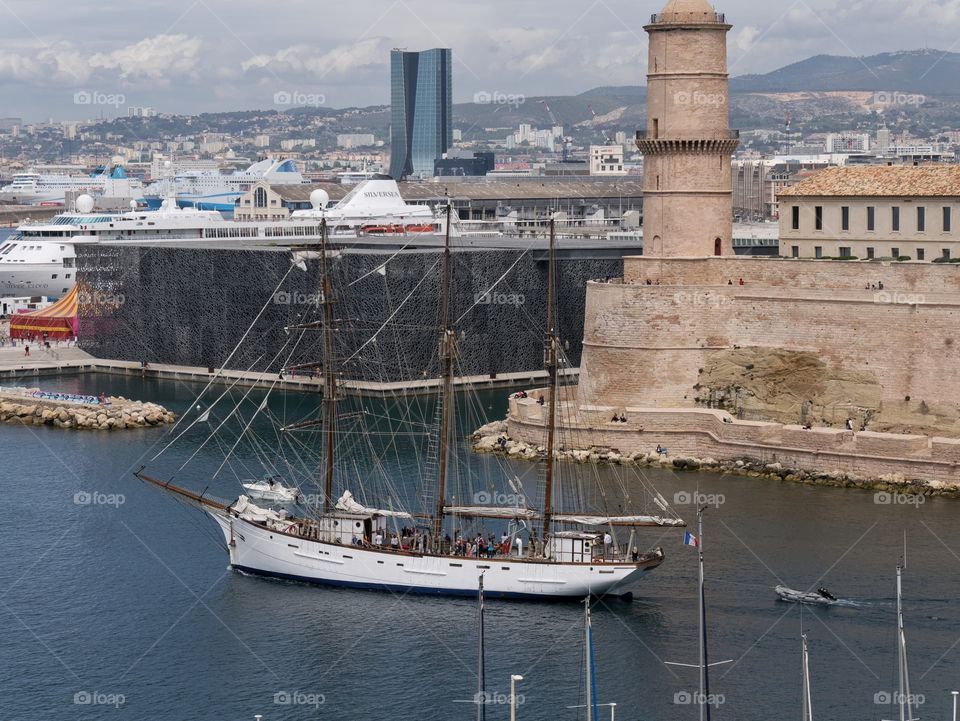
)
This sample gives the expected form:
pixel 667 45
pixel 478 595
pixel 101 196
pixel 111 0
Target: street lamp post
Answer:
pixel 955 694
pixel 513 696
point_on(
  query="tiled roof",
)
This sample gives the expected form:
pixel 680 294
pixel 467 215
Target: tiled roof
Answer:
pixel 881 181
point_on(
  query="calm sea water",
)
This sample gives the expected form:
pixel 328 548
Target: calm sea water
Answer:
pixel 127 602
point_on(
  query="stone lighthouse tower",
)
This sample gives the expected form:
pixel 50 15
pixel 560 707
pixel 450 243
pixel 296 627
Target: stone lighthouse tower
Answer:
pixel 688 199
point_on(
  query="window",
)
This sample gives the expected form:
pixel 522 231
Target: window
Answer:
pixel 921 219
pixel 260 198
pixel 818 252
pixel 895 219
pixel 795 251
pixel 895 252
pixel 870 253
pixel 656 128
pixel 871 218
pixel 946 219
pixel 845 217
pixel 920 254
pixel 818 217
pixel 796 217
pixel 946 254
pixel 846 253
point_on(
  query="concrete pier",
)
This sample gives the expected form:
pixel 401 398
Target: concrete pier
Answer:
pixel 18 369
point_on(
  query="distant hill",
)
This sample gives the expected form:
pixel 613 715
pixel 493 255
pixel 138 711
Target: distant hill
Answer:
pixel 930 72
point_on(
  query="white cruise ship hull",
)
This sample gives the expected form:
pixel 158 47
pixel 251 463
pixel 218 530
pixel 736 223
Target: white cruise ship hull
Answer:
pixel 259 550
pixel 21 281
pixel 32 197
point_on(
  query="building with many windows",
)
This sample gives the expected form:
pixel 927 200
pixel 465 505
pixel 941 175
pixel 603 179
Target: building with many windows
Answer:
pixel 421 128
pixel 868 212
pixel 272 202
pixel 606 160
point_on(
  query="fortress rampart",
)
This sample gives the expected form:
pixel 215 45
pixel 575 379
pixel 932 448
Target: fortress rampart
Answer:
pixel 715 434
pixel 800 341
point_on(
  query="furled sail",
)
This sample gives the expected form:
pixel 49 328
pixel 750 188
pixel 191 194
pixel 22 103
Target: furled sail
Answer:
pixel 618 520
pixel 349 504
pixel 243 507
pixel 491 512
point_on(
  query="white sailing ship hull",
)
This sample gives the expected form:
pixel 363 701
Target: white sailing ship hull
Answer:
pixel 262 551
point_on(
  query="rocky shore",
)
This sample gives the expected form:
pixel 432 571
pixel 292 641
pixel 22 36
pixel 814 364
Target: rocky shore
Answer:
pixel 494 438
pixel 120 414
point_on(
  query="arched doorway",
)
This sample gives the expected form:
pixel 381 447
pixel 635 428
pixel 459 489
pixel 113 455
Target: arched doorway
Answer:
pixel 718 247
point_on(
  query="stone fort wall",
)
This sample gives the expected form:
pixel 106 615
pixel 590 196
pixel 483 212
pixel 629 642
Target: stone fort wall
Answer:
pixel 646 345
pixel 714 434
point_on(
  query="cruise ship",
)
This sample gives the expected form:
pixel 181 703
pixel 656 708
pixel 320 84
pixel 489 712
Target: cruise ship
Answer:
pixel 212 190
pixel 39 259
pixel 48 189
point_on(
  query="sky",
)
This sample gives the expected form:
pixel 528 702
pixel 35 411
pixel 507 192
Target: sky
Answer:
pixel 90 58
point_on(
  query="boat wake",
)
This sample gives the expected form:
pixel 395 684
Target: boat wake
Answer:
pixel 820 597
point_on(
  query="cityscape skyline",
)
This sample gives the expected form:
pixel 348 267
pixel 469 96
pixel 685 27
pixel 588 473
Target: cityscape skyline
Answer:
pixel 203 57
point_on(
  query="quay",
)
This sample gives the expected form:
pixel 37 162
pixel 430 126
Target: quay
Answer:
pixel 17 368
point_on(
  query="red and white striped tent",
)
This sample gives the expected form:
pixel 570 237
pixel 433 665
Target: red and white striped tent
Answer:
pixel 55 322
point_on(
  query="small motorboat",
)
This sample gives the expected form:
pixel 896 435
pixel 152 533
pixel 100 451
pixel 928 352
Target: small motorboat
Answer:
pixel 272 490
pixel 821 596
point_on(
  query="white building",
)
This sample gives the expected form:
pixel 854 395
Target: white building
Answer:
pixel 606 160
pixel 848 142
pixel 355 140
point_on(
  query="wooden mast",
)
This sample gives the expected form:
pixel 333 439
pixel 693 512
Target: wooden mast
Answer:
pixel 550 363
pixel 447 352
pixel 329 372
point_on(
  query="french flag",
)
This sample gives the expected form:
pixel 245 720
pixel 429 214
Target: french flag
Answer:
pixel 690 540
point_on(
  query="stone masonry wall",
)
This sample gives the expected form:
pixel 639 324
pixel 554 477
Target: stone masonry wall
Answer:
pixel 645 345
pixel 714 434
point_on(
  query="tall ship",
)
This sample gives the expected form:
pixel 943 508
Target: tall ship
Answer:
pixel 581 537
pixel 39 258
pixel 212 190
pixel 51 189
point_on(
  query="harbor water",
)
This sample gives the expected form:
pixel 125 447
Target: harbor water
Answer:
pixel 117 602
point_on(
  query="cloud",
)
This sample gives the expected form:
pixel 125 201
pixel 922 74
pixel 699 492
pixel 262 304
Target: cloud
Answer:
pixel 341 61
pixel 158 58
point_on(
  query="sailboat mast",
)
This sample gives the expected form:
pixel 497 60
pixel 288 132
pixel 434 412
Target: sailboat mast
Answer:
pixel 550 363
pixel 905 700
pixel 588 662
pixel 704 668
pixel 807 696
pixel 481 667
pixel 447 352
pixel 329 371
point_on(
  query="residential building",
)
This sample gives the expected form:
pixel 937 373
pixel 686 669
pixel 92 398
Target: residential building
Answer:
pixel 348 141
pixel 421 110
pixel 606 160
pixel 871 212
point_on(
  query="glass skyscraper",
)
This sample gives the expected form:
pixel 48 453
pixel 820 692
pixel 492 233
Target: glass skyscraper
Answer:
pixel 421 110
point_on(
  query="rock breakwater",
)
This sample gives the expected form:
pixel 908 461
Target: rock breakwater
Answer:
pixel 19 406
pixel 894 489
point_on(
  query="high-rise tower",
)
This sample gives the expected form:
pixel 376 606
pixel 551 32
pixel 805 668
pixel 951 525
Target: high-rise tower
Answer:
pixel 421 128
pixel 687 206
